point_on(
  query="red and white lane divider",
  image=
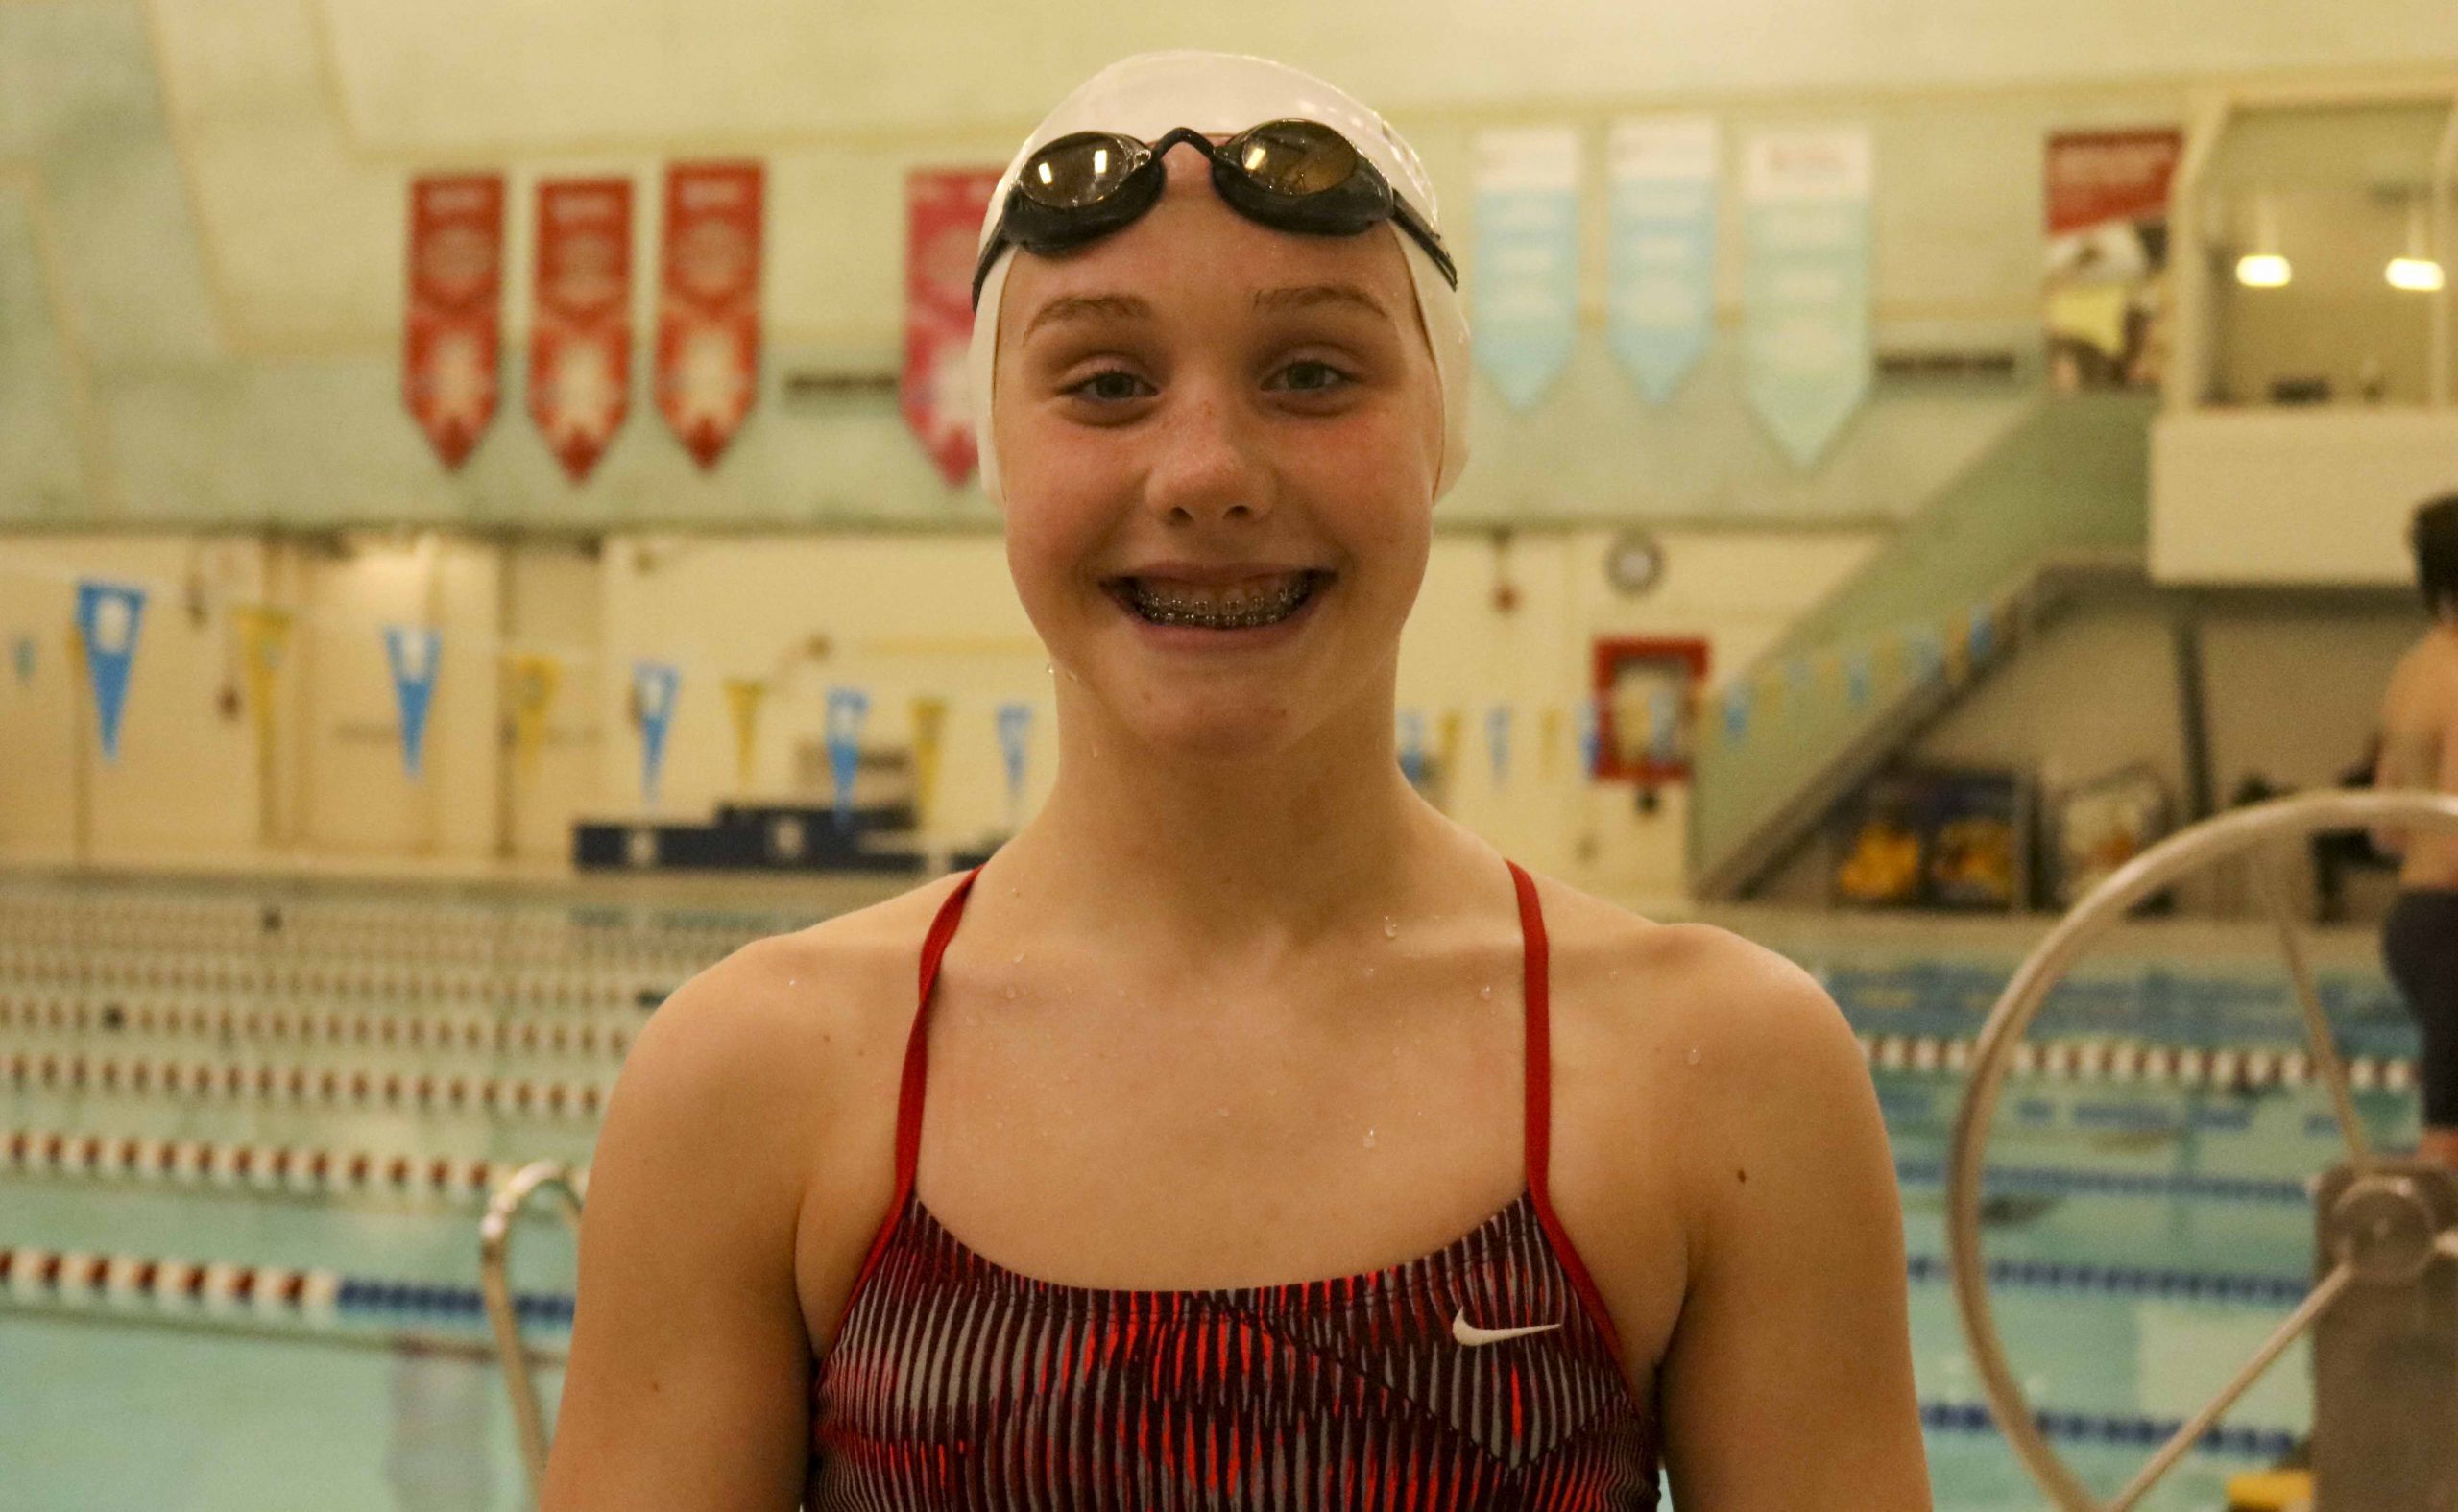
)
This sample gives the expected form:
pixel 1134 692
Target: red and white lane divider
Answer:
pixel 472 1033
pixel 263 1168
pixel 2125 1061
pixel 326 1087
pixel 71 1277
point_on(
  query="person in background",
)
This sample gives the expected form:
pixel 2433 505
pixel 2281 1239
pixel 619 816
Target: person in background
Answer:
pixel 2420 752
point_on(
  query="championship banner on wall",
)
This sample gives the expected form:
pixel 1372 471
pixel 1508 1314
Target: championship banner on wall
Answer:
pixel 1525 273
pixel 451 341
pixel 1807 351
pixel 2108 256
pixel 943 214
pixel 580 333
pixel 708 319
pixel 1661 265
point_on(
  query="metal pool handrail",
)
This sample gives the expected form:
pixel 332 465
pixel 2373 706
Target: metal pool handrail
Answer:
pixel 2249 829
pixel 495 1277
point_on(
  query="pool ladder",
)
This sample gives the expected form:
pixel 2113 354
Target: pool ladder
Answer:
pixel 2384 1311
pixel 495 1276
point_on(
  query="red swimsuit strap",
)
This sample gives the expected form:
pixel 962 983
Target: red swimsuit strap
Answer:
pixel 1537 1101
pixel 917 1066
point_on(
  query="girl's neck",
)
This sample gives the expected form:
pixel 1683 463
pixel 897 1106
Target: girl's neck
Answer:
pixel 1230 860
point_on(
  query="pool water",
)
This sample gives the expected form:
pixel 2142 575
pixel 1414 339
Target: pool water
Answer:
pixel 2144 1236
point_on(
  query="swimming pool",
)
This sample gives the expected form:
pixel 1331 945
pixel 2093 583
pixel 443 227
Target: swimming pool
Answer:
pixel 2148 1224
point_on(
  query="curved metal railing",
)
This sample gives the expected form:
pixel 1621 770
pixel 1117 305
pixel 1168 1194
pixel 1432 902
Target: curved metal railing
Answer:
pixel 494 1278
pixel 2248 831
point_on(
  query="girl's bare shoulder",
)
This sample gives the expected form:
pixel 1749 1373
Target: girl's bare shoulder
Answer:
pixel 788 1026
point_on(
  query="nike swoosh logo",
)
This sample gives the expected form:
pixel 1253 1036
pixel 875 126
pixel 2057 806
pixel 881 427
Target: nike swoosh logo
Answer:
pixel 1468 1333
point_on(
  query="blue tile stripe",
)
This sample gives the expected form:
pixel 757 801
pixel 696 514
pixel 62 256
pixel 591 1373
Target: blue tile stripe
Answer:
pixel 2059 1182
pixel 2122 1281
pixel 2230 1441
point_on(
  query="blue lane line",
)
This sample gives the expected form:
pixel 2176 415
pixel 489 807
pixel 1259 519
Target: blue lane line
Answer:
pixel 2032 1179
pixel 2266 1444
pixel 2124 1281
pixel 421 1299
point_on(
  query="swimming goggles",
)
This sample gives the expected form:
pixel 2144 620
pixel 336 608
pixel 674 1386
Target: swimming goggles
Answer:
pixel 1289 175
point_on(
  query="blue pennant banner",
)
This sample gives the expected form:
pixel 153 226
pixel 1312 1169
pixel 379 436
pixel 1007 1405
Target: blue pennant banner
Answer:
pixel 1856 676
pixel 1661 264
pixel 1983 632
pixel 1412 744
pixel 655 687
pixel 1498 741
pixel 1589 737
pixel 846 709
pixel 1664 726
pixel 23 653
pixel 1806 352
pixel 1526 291
pixel 1739 701
pixel 414 652
pixel 108 617
pixel 1015 731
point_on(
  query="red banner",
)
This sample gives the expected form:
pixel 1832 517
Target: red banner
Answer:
pixel 452 338
pixel 708 319
pixel 943 221
pixel 580 333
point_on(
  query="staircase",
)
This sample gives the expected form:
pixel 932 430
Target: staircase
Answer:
pixel 2066 492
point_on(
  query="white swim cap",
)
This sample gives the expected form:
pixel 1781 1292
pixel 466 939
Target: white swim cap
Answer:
pixel 1221 94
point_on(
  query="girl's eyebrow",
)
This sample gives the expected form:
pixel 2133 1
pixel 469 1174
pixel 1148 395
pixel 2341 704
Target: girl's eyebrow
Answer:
pixel 1088 306
pixel 1302 296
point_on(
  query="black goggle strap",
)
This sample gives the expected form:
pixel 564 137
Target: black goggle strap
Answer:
pixel 1224 160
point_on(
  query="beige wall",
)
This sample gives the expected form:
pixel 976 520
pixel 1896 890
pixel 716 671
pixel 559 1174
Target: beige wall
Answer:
pixel 897 616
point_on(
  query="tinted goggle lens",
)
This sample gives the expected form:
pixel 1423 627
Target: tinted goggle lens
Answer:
pixel 1080 170
pixel 1296 158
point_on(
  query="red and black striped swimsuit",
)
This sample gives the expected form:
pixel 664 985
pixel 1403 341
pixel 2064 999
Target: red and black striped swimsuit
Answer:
pixel 956 1383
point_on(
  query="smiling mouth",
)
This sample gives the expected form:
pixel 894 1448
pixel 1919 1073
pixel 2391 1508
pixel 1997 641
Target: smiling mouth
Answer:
pixel 1246 605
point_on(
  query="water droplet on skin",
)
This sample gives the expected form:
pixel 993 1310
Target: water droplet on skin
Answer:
pixel 1011 995
pixel 1694 1055
pixel 1020 958
pixel 1485 993
pixel 1369 970
pixel 1390 930
pixel 1369 1139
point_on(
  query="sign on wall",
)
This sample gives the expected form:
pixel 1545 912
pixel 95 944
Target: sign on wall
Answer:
pixel 943 214
pixel 707 324
pixel 580 334
pixel 1806 347
pixel 1661 264
pixel 451 337
pixel 1526 272
pixel 2108 256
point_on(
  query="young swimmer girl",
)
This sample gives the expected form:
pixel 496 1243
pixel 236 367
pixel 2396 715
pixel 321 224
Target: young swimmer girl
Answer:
pixel 1014 1192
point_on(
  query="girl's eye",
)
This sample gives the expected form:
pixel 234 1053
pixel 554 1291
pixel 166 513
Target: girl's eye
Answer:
pixel 1310 376
pixel 1109 386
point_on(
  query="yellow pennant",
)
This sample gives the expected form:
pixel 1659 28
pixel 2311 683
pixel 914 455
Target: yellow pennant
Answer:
pixel 534 677
pixel 1447 742
pixel 264 640
pixel 1549 738
pixel 930 720
pixel 743 695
